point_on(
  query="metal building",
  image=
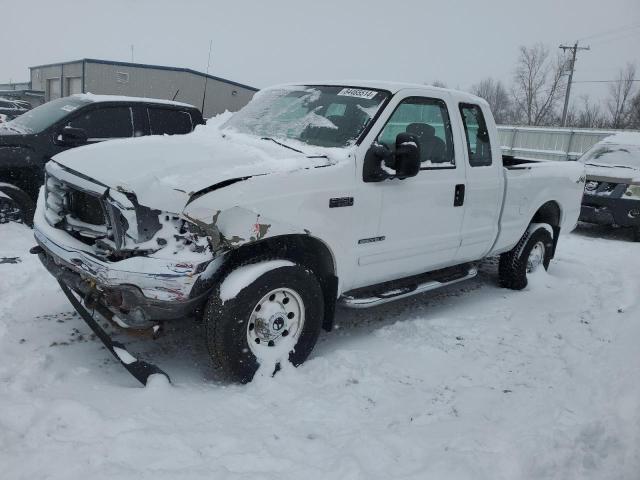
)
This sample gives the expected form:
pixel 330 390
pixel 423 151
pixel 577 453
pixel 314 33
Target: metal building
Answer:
pixel 139 80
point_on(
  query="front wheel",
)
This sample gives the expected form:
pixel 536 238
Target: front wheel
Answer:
pixel 533 251
pixel 263 314
pixel 636 234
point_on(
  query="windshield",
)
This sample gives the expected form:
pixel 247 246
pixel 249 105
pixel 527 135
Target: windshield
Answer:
pixel 42 117
pixel 612 155
pixel 325 116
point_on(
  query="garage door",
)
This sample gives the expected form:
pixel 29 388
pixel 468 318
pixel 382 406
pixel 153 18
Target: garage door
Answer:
pixel 53 88
pixel 74 85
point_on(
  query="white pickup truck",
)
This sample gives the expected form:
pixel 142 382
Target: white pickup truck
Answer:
pixel 311 195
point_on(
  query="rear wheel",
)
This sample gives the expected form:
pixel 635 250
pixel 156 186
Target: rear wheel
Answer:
pixel 274 318
pixel 15 205
pixel 532 252
pixel 636 234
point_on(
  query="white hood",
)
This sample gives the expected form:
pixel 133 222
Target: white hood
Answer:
pixel 164 171
pixel 613 174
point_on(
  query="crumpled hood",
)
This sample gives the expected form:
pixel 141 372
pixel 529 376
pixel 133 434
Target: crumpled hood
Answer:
pixel 613 174
pixel 163 171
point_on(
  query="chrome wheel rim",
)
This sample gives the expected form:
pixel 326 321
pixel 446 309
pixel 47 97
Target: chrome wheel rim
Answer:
pixel 536 257
pixel 276 322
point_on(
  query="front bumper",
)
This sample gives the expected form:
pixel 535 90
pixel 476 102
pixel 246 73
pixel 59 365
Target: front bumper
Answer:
pixel 603 210
pixel 139 291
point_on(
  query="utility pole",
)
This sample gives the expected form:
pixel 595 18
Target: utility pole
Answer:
pixel 574 50
pixel 131 53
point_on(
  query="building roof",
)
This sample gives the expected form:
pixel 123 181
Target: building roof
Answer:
pixel 143 65
pixel 29 93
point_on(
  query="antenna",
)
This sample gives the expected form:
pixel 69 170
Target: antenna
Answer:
pixel 176 94
pixel 206 78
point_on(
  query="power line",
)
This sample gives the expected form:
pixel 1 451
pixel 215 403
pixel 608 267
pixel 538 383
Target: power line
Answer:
pixel 574 50
pixel 609 32
pixel 622 36
pixel 606 81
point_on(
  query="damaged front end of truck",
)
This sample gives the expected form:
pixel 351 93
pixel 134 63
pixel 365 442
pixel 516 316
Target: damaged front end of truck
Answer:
pixel 135 266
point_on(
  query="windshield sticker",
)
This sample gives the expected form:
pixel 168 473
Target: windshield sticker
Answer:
pixel 358 93
pixel 68 108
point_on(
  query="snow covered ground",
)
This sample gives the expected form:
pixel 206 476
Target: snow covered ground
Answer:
pixel 472 382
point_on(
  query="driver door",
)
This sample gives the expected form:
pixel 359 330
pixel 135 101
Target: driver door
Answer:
pixel 420 218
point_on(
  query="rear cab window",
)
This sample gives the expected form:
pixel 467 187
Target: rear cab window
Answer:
pixel 477 135
pixel 164 121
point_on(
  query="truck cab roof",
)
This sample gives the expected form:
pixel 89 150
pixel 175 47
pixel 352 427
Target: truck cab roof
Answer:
pixel 392 87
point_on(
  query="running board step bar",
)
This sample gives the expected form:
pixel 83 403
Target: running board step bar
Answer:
pixel 352 301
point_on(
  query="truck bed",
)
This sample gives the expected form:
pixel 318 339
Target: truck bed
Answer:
pixel 529 184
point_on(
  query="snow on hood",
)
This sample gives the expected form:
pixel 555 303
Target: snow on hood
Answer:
pixel 163 171
pixel 613 174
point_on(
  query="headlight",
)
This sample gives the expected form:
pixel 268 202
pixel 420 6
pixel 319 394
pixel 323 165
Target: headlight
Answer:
pixel 632 192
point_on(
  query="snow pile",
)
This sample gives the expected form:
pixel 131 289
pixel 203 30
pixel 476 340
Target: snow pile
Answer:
pixel 246 275
pixel 471 382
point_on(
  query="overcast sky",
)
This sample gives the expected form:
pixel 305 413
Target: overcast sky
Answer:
pixel 265 42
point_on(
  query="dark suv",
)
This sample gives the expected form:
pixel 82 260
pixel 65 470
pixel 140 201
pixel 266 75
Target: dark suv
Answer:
pixel 30 140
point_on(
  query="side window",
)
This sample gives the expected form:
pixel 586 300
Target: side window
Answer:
pixel 428 120
pixel 170 122
pixel 105 123
pixel 475 129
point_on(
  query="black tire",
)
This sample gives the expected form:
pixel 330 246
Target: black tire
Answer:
pixel 636 234
pixel 226 323
pixel 512 269
pixel 19 209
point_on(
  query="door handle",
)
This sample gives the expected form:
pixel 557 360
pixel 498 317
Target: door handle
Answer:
pixel 458 196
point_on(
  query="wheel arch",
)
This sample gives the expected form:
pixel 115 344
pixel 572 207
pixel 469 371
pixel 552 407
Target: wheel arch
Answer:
pixel 303 249
pixel 550 212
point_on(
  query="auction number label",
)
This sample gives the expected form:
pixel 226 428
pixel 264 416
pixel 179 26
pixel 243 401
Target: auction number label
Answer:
pixel 357 92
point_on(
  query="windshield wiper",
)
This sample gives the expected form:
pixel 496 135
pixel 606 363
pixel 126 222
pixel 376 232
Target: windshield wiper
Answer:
pixel 282 144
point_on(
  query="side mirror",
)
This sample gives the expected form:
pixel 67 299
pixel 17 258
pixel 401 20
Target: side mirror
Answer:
pixel 71 137
pixel 380 163
pixel 407 156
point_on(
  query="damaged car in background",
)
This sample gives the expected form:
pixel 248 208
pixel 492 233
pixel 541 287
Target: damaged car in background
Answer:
pixel 612 191
pixel 310 196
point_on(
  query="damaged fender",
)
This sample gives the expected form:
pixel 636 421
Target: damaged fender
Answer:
pixel 239 226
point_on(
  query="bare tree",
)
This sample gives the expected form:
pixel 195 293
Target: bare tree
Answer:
pixel 634 113
pixel 538 84
pixel 496 94
pixel 620 96
pixel 586 115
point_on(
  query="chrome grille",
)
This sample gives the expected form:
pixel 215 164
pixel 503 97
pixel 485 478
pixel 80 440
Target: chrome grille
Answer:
pixel 80 213
pixel 86 208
